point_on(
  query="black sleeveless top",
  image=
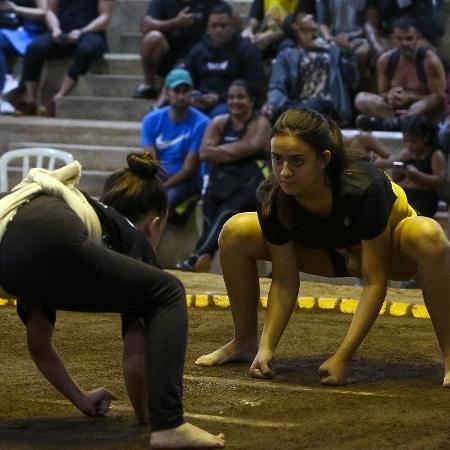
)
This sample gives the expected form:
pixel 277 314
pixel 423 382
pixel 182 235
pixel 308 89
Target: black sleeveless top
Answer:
pixel 75 14
pixel 227 178
pixel 424 165
pixel 230 135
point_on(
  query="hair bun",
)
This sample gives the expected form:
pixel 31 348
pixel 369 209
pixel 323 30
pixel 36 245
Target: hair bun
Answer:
pixel 143 165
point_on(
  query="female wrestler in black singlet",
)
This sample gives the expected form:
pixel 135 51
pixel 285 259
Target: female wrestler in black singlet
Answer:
pixel 49 262
pixel 320 214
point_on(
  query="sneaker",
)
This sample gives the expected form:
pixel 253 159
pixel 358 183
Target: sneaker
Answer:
pixel 6 107
pixel 188 265
pixel 145 91
pixel 11 83
pixel 373 123
pixel 26 109
pixel 410 284
pixel 203 264
pixel 369 123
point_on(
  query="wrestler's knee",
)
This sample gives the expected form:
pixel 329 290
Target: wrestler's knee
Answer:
pixel 425 238
pixel 239 232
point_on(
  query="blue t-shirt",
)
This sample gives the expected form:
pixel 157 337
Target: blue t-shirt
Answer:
pixel 173 140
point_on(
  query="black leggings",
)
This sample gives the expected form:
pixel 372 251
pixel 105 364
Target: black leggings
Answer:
pixel 47 259
pixel 216 211
pixel 90 47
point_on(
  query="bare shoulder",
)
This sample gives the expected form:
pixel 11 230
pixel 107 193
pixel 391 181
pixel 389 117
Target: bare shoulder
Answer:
pixel 219 122
pixel 384 58
pixel 432 60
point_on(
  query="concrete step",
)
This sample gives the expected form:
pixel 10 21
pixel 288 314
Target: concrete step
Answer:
pixel 391 139
pixel 130 42
pixel 105 108
pixel 104 158
pixel 68 131
pixel 118 63
pixel 129 13
pixel 93 85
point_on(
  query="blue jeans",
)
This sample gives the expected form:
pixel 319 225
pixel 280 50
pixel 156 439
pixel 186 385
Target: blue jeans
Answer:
pixel 183 191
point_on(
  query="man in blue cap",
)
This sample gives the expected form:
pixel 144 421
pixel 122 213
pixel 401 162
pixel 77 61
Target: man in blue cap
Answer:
pixel 173 135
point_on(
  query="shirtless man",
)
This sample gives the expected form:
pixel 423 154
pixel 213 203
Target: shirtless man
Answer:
pixel 411 80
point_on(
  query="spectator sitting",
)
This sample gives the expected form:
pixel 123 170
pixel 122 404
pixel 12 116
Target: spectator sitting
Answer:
pixel 171 28
pixel 342 22
pixel 173 135
pixel 381 15
pixel 221 57
pixel 76 28
pixel 411 81
pixel 312 76
pixel 420 168
pixel 265 24
pixel 444 129
pixel 235 146
pixel 15 40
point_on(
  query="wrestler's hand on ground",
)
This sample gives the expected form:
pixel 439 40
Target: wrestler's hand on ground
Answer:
pixel 333 371
pixel 263 365
pixel 96 402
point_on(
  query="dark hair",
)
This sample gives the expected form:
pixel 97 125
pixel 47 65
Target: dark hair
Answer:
pixel 420 125
pixel 404 23
pixel 243 84
pixel 221 8
pixel 320 133
pixel 136 190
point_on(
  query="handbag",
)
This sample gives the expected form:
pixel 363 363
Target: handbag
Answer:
pixel 10 20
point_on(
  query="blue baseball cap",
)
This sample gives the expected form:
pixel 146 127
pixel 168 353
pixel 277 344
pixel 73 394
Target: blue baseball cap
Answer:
pixel 176 77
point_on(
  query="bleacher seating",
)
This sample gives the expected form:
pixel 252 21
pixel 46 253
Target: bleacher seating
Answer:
pixel 99 122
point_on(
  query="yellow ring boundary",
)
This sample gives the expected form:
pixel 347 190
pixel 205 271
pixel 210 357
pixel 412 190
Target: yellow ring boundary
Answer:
pixel 305 304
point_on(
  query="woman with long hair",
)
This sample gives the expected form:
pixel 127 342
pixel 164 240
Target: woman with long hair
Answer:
pixel 323 215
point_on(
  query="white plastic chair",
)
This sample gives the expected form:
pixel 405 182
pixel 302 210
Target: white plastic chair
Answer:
pixel 41 157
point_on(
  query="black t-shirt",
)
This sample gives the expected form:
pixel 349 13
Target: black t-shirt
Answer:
pixel 75 14
pixel 184 37
pixel 420 11
pixel 120 235
pixel 361 207
pixel 213 68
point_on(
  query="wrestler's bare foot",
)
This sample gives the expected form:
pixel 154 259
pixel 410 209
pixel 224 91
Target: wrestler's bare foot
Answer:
pixel 228 353
pixel 186 436
pixel 446 382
